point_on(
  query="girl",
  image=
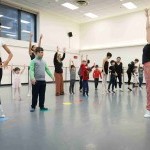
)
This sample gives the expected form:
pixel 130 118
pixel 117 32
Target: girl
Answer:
pixel 105 66
pixel 96 75
pixel 135 77
pixel 72 77
pixel 16 84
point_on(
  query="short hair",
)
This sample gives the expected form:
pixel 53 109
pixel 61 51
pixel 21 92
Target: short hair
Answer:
pixel 16 69
pixel 96 66
pixel 39 49
pixel 118 57
pixel 112 61
pixel 136 60
pixel 88 61
pixel 32 46
pixel 109 54
pixel 72 66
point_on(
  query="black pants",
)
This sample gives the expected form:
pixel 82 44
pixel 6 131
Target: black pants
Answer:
pixel 119 76
pixel 71 87
pixel 96 80
pixel 38 90
pixel 112 82
pixel 140 81
pixel 81 82
pixel 129 77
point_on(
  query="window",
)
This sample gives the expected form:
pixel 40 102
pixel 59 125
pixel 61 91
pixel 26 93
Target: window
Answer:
pixel 9 22
pixel 27 25
pixel 17 24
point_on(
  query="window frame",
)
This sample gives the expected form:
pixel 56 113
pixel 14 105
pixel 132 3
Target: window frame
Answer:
pixel 19 11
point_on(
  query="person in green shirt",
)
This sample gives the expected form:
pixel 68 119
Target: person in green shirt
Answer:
pixel 38 67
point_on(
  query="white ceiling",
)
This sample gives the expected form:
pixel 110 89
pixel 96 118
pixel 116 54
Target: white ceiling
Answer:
pixel 102 8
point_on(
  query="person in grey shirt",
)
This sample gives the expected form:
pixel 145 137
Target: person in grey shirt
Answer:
pixel 72 77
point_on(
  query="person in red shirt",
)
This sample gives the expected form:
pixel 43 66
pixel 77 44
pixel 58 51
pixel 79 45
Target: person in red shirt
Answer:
pixel 96 75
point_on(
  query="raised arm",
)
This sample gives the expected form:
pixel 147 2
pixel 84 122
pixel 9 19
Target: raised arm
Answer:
pixel 10 55
pixel 23 69
pixel 64 54
pixel 40 40
pixel 30 44
pixel 55 56
pixel 12 70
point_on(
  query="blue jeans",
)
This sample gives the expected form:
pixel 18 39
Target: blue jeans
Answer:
pixel 140 81
pixel 112 82
pixel 85 87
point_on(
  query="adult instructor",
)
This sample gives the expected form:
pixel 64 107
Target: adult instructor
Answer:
pixel 58 63
pixel 146 63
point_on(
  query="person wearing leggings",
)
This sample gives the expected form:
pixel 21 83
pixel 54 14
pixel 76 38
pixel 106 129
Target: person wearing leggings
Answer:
pixel 130 72
pixel 119 71
pixel 146 63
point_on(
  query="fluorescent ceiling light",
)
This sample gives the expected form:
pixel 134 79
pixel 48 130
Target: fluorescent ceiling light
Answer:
pixel 70 6
pixel 5 27
pixel 91 15
pixel 24 21
pixel 11 35
pixel 1 15
pixel 25 31
pixel 129 5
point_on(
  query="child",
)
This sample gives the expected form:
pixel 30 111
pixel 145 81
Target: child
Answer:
pixel 113 75
pixel 140 76
pixel 96 75
pixel 72 77
pixel 37 75
pixel 16 84
pixel 135 77
pixel 85 81
pixel 105 67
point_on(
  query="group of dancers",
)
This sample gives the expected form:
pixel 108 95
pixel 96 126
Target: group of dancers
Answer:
pixel 38 67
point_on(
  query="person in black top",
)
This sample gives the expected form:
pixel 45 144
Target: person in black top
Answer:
pixel 59 72
pixel 146 63
pixel 105 66
pixel 130 72
pixel 119 71
pixel 32 49
pixel 112 76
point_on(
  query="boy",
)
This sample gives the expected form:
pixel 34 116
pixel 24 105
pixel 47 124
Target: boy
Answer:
pixel 96 75
pixel 37 75
pixel 72 77
pixel 112 76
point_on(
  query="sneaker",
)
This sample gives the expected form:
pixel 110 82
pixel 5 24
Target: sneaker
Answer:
pixel 129 89
pixel 62 93
pixel 32 109
pixel 113 92
pixel 109 91
pixel 44 109
pixel 29 95
pixel 147 114
pixel 121 90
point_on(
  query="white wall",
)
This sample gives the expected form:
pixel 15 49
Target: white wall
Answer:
pixel 54 29
pixel 118 31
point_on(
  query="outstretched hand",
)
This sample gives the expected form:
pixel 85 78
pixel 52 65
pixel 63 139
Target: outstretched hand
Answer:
pixel 64 49
pixel 57 49
pixel 146 12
